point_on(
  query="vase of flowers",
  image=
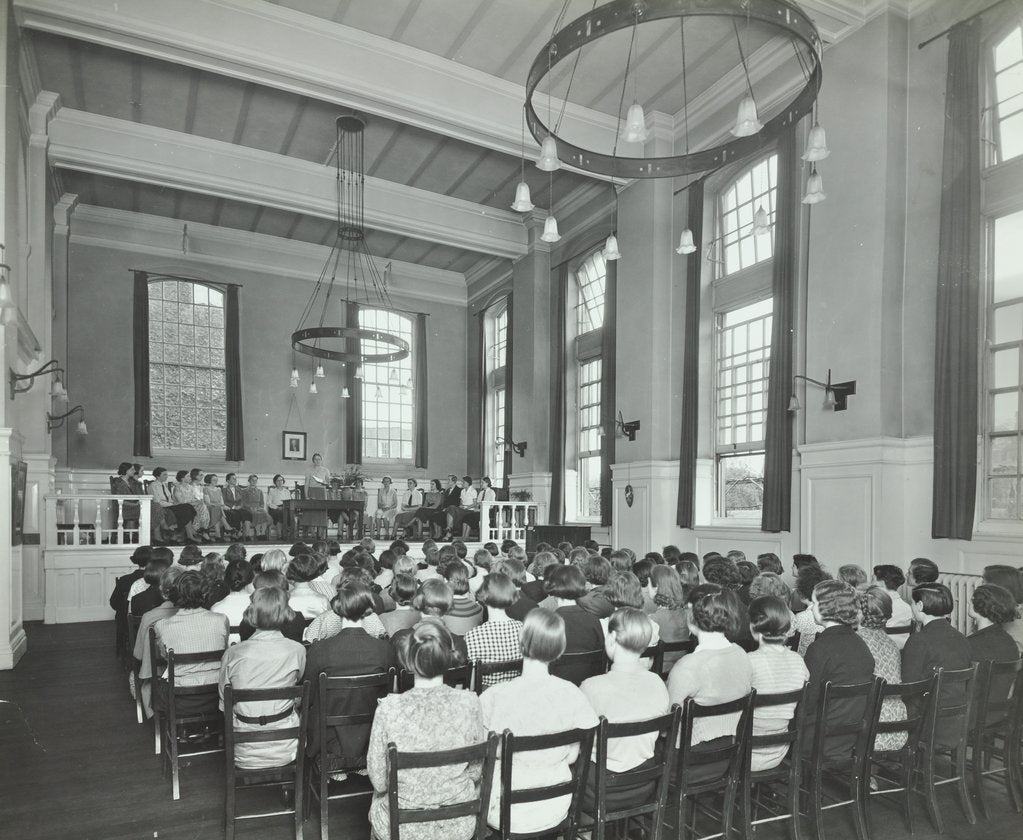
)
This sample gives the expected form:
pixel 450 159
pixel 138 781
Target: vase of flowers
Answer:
pixel 345 480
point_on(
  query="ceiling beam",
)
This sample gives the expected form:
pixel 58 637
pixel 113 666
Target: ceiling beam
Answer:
pixel 279 48
pixel 141 153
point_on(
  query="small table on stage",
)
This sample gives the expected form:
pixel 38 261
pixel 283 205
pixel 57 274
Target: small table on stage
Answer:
pixel 294 508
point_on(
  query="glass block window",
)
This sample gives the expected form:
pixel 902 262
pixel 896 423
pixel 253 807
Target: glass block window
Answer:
pixel 589 438
pixel 187 377
pixel 1006 111
pixel 743 339
pixel 737 204
pixel 1004 382
pixel 589 278
pixel 387 398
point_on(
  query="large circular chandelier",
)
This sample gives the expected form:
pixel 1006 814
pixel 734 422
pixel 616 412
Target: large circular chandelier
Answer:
pixel 349 277
pixel 782 18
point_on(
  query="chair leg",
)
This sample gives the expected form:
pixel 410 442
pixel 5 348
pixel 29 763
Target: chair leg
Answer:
pixel 746 806
pixel 860 790
pixel 906 780
pixel 815 807
pixel 797 818
pixel 959 763
pixel 728 810
pixel 299 796
pixel 977 771
pixel 229 806
pixel 930 793
pixel 324 804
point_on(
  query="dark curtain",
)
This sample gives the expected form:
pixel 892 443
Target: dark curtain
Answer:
pixel 233 365
pixel 556 514
pixel 607 391
pixel 140 348
pixel 353 410
pixel 776 515
pixel 685 512
pixel 420 392
pixel 483 433
pixel 508 371
pixel 955 359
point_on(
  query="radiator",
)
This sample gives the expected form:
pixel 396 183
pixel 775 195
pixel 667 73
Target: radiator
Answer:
pixel 962 587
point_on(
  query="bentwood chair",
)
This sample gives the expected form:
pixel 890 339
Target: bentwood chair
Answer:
pixel 998 709
pixel 297 698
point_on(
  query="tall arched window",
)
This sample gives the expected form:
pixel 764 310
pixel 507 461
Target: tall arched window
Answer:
pixel 187 372
pixel 495 370
pixel 388 410
pixel 590 276
pixel 742 339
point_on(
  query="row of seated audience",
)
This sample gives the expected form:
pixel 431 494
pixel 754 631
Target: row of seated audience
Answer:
pixel 315 612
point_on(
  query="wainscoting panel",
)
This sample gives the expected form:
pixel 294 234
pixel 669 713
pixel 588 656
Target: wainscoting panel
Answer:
pixel 839 519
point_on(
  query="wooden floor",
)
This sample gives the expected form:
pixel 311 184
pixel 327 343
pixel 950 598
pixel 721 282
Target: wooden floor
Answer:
pixel 75 765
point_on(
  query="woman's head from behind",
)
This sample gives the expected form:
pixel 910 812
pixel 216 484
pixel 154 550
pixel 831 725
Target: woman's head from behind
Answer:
pixel 1006 577
pixel 875 607
pixel 274 560
pixel 716 612
pixel 268 609
pixel 932 600
pixel 994 603
pixel 543 635
pixel 668 588
pixel 835 602
pixel 434 598
pixel 427 651
pixel 565 582
pixel 623 590
pixel 769 619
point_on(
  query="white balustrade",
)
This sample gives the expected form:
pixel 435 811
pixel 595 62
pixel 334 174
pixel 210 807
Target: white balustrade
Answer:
pixel 510 520
pixel 85 520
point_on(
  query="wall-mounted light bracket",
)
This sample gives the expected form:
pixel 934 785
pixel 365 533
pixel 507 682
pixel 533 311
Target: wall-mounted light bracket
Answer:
pixel 836 394
pixel 629 428
pixel 511 446
pixel 56 421
pixel 56 389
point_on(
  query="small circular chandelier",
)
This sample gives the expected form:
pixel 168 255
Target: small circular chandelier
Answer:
pixel 782 18
pixel 360 281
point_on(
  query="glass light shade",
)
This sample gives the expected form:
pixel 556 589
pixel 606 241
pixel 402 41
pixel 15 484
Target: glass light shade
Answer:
pixel 685 243
pixel 523 203
pixel 814 189
pixel 816 144
pixel 746 122
pixel 611 251
pixel 634 130
pixel 294 382
pixel 57 391
pixel 550 230
pixel 319 372
pixel 5 292
pixel 345 393
pixel 10 314
pixel 358 372
pixel 392 376
pixel 312 388
pixel 761 222
pixel 409 383
pixel 548 161
pixel 82 429
pixel 379 395
pixel 794 403
pixel 829 399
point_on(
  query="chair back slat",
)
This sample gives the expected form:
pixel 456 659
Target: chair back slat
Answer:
pixel 994 676
pixel 792 642
pixel 458 676
pixel 488 669
pixel 860 732
pixel 579 666
pixel 793 734
pixel 953 711
pixel 915 696
pixel 683 647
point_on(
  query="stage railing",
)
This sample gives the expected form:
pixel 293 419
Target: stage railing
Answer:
pixel 87 520
pixel 510 520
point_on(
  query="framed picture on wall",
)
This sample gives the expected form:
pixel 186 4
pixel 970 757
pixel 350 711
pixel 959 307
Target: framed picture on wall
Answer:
pixel 19 478
pixel 293 446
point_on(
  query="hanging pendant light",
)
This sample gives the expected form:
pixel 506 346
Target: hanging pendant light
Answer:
pixel 550 230
pixel 312 388
pixel 611 252
pixel 294 377
pixel 548 161
pixel 392 376
pixel 57 391
pixel 10 315
pixel 345 393
pixel 379 395
pixel 523 203
pixel 761 222
pixel 814 188
pixel 635 125
pixel 816 144
pixel 358 372
pixel 319 374
pixel 746 122
pixel 685 243
pixel 82 429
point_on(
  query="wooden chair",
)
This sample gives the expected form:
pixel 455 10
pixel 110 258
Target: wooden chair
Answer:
pixel 955 690
pixel 173 729
pixel 576 667
pixel 651 782
pixel 712 766
pixel 485 753
pixel 792 642
pixel 997 728
pixel 458 676
pixel 364 692
pixel 893 769
pixel 134 623
pixel 786 772
pixel 488 669
pixel 819 768
pixel 270 776
pixel 512 745
pixel 663 648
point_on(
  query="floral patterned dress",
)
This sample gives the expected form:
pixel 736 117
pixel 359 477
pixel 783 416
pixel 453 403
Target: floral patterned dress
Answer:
pixel 887 666
pixel 425 720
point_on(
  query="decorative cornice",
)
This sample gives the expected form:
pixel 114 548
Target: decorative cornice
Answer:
pixel 128 150
pixel 156 236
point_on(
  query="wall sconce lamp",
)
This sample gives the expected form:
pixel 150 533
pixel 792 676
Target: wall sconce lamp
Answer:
pixel 57 391
pixel 511 446
pixel 55 422
pixel 836 394
pixel 628 429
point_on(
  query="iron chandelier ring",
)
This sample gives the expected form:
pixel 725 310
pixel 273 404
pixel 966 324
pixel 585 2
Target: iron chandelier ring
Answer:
pixel 621 14
pixel 300 339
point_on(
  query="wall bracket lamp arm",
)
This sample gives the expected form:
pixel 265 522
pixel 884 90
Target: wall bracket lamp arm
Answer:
pixel 56 421
pixel 629 428
pixel 52 367
pixel 511 446
pixel 836 394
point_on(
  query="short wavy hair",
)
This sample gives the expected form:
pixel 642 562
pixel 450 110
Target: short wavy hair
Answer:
pixel 434 597
pixel 305 567
pixel 354 600
pixel 808 578
pixel 723 572
pixel 875 606
pixel 769 583
pixel 771 617
pixel 497 590
pixel 934 599
pixel 717 612
pixel 769 562
pixel 994 603
pixel 623 590
pixel 853 574
pixel 891 576
pixel 1006 577
pixel 191 591
pixel 837 601
pixel 598 570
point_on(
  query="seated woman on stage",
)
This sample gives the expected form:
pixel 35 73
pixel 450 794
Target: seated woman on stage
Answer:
pixel 486 493
pixel 431 514
pixel 176 514
pixel 121 486
pixel 254 502
pixel 266 660
pixel 275 499
pixel 411 502
pixel 238 518
pixel 387 509
pixel 350 518
pixel 455 513
pixel 192 482
pixel 214 499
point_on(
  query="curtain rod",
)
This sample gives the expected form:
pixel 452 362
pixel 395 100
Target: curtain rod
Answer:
pixel 972 17
pixel 161 275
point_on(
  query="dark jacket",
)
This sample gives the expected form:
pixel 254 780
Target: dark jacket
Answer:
pixel 938 645
pixel 119 604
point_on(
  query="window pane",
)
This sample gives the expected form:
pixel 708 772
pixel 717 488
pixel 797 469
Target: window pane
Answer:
pixel 1008 323
pixel 1005 365
pixel 1007 113
pixel 741 479
pixel 1005 412
pixel 1009 50
pixel 386 395
pixel 1003 456
pixel 589 278
pixel 1003 498
pixel 738 203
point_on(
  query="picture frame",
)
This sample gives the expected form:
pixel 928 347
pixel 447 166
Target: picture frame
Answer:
pixel 19 479
pixel 293 446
